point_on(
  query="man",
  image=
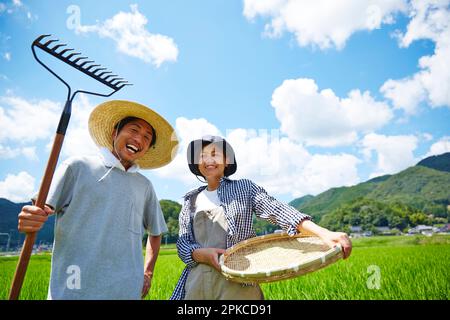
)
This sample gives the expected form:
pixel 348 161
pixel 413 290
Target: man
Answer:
pixel 102 204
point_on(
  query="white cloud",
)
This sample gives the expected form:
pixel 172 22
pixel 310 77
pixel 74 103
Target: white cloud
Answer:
pixel 17 7
pixel 405 94
pixel 321 118
pixel 283 166
pixel 427 136
pixel 17 188
pixel 30 153
pixel 7 56
pixel 78 140
pixel 394 153
pixel 7 152
pixel 25 121
pixel 128 30
pixel 187 130
pixel 322 23
pixel 276 163
pixel 430 20
pixel 439 147
pixel 326 171
pixel 17 3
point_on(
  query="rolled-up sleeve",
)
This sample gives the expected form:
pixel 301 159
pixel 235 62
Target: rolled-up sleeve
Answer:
pixel 186 243
pixel 61 189
pixel 153 220
pixel 270 209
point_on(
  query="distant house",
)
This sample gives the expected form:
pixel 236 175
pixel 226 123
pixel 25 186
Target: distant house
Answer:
pixel 356 229
pixel 383 229
pixel 356 232
pixel 422 229
pixel 444 229
pixel 386 231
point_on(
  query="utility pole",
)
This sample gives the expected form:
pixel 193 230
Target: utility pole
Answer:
pixel 9 237
pixel 7 244
pixel 12 232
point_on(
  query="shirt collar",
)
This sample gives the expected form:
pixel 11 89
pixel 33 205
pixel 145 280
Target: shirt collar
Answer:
pixel 195 191
pixel 109 160
pixel 200 189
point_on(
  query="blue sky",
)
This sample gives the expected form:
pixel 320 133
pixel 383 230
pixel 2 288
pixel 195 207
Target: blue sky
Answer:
pixel 310 95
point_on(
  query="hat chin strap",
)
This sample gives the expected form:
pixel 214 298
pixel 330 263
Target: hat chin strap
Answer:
pixel 106 174
pixel 114 145
pixel 116 154
pixel 112 167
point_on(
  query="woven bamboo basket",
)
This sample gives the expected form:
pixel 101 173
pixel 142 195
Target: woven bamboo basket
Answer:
pixel 276 257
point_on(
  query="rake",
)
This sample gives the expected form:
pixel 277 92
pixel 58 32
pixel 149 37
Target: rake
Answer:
pixel 95 71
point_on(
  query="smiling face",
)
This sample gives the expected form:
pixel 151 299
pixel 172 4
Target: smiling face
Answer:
pixel 131 141
pixel 212 162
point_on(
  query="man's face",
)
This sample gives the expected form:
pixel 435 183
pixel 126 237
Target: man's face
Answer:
pixel 132 142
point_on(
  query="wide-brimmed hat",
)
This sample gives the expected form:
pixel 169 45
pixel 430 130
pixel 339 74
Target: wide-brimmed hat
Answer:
pixel 195 147
pixel 108 114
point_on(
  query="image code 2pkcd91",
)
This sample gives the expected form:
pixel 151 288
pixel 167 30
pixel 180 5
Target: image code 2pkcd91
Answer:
pixel 245 309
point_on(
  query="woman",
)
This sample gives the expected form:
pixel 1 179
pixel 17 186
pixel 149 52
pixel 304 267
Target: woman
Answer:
pixel 219 215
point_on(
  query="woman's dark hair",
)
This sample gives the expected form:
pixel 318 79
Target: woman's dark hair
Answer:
pixel 195 148
pixel 122 123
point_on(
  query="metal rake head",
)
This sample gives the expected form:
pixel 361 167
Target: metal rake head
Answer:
pixel 80 63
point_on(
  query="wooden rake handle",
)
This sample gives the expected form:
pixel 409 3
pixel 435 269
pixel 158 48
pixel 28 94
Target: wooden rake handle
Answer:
pixel 30 238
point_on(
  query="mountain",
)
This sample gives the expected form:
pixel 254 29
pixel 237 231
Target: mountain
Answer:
pixel 331 199
pixel 417 186
pixel 8 225
pixel 441 162
pixel 421 190
pixel 301 201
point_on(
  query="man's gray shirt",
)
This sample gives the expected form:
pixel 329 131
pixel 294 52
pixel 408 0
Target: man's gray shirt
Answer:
pixel 101 213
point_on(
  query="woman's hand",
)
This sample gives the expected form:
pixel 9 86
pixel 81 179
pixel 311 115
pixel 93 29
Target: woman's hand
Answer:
pixel 335 238
pixel 209 256
pixel 329 237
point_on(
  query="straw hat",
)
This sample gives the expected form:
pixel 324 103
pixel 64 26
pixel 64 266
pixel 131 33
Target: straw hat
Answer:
pixel 106 115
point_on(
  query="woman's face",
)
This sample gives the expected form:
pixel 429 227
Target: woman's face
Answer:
pixel 212 162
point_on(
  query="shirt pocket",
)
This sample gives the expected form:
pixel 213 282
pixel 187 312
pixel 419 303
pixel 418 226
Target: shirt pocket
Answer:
pixel 135 222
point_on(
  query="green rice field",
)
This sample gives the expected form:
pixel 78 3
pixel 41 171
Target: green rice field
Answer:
pixel 386 268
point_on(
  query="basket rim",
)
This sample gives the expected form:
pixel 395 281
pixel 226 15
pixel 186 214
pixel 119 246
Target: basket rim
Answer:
pixel 317 262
